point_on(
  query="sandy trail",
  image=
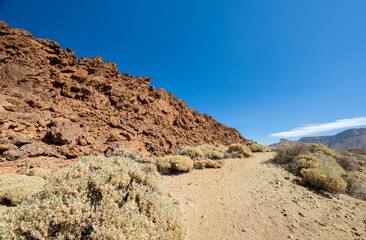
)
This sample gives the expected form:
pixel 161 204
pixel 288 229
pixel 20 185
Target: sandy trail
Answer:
pixel 250 199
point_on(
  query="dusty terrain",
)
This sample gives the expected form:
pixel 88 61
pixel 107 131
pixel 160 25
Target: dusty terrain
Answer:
pixel 253 199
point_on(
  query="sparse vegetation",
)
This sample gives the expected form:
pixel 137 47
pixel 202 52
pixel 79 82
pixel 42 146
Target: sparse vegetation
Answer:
pixel 320 148
pixel 323 178
pixel 306 161
pixel 39 172
pixel 208 163
pixel 17 188
pixel 256 147
pixel 192 152
pixel 240 151
pixel 174 164
pixel 97 198
pixel 321 167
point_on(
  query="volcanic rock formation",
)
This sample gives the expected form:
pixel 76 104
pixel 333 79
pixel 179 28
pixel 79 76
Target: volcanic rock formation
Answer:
pixel 55 108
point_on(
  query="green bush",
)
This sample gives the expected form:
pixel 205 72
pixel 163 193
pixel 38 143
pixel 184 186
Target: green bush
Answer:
pixel 320 148
pixel 323 178
pixel 192 152
pixel 172 164
pixel 39 172
pixel 97 198
pixel 239 151
pixel 306 161
pixel 17 188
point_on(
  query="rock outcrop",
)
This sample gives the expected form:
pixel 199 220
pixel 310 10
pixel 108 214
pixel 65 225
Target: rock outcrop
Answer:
pixel 55 107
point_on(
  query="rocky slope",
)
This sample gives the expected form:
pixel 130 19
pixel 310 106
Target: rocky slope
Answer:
pixel 55 107
pixel 354 138
pixel 348 139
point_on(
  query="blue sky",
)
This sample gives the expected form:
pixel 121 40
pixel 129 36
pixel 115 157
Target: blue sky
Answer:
pixel 262 67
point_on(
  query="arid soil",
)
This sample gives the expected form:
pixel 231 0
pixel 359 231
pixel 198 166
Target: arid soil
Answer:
pixel 55 107
pixel 253 199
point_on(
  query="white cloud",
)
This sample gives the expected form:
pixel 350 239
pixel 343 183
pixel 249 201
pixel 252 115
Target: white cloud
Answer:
pixel 322 127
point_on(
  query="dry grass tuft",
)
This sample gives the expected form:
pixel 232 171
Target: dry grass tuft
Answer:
pixel 17 188
pixel 39 172
pixel 97 198
pixel 192 152
pixel 239 151
pixel 208 163
pixel 174 164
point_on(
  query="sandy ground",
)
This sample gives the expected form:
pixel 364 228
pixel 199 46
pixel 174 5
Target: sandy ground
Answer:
pixel 251 199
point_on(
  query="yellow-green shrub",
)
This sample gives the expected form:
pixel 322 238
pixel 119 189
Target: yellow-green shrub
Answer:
pixel 323 178
pixel 192 152
pixel 349 178
pixel 307 161
pixel 256 147
pixel 211 152
pixel 177 163
pixel 97 198
pixel 39 172
pixel 208 163
pixel 240 151
pixel 17 188
pixel 320 148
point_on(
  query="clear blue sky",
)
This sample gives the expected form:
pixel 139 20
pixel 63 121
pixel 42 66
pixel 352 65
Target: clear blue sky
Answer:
pixel 259 66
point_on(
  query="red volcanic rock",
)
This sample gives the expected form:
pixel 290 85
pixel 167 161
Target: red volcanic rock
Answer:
pixel 55 106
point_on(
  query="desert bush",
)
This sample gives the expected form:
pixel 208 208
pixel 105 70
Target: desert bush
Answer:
pixel 192 152
pixel 320 148
pixel 306 161
pixel 208 163
pixel 120 151
pixel 330 163
pixel 97 198
pixel 17 188
pixel 174 164
pixel 239 151
pixel 38 172
pixel 347 163
pixel 323 178
pixel 349 178
pixel 286 153
pixel 211 152
pixel 256 147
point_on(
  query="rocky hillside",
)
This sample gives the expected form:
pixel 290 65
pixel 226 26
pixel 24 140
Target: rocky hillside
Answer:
pixel 349 139
pixel 55 107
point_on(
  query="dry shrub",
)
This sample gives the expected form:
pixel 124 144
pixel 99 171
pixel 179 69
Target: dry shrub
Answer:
pixel 192 152
pixel 256 147
pixel 347 163
pixel 330 163
pixel 323 178
pixel 306 161
pixel 137 156
pixel 239 151
pixel 39 172
pixel 211 152
pixel 286 153
pixel 17 188
pixel 97 198
pixel 208 163
pixel 174 164
pixel 320 148
pixel 349 178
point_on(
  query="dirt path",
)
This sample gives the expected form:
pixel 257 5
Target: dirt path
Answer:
pixel 250 199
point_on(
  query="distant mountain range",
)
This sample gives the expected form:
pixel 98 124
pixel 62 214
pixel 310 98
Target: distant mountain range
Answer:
pixel 348 139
